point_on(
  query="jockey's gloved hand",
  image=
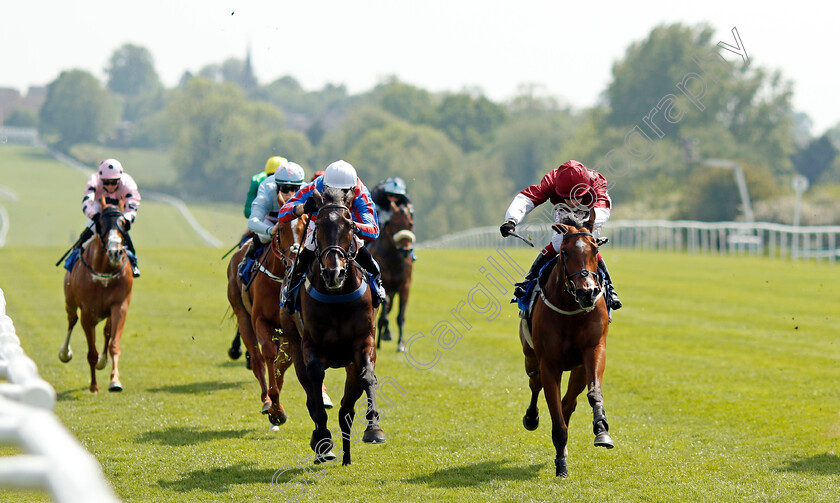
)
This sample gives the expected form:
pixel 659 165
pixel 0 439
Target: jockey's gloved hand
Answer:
pixel 95 217
pixel 507 228
pixel 310 205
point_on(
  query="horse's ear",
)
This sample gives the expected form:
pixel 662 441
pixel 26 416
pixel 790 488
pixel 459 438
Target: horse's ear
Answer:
pixel 319 198
pixel 602 241
pixel 560 228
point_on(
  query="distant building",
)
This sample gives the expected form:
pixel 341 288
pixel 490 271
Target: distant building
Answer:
pixel 10 99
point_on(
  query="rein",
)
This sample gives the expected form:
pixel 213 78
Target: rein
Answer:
pixel 98 276
pixel 348 255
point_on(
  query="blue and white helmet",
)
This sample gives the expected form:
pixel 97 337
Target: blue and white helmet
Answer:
pixel 394 185
pixel 290 173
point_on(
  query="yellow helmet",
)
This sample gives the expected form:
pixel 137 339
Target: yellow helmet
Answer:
pixel 274 163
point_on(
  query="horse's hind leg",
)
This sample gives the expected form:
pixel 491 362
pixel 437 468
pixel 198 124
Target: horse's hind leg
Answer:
pixel 550 378
pixel 594 360
pixel 89 326
pixel 531 420
pixel 401 316
pixel 235 350
pixel 117 323
pixel 268 356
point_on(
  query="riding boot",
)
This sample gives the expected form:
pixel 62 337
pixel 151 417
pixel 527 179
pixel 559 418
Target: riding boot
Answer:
pixel 612 299
pixel 249 254
pixel 538 264
pixel 365 259
pixel 291 287
pixel 132 257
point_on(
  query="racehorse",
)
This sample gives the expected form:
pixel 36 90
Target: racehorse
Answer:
pixel 99 285
pixel 392 250
pixel 568 333
pixel 257 310
pixel 335 327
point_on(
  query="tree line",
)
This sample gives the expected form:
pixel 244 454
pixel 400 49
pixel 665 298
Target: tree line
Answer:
pixel 463 155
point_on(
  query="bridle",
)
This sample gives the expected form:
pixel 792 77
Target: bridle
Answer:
pixel 98 276
pixel 568 282
pixel 348 255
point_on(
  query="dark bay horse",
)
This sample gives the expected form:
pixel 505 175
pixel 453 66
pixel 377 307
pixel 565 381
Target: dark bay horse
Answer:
pixel 257 310
pixel 392 250
pixel 99 285
pixel 569 333
pixel 335 327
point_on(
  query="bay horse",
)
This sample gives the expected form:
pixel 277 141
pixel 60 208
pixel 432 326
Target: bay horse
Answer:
pixel 257 310
pixel 335 327
pixel 568 333
pixel 392 251
pixel 99 286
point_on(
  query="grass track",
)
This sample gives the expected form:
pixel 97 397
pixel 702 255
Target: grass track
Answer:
pixel 722 384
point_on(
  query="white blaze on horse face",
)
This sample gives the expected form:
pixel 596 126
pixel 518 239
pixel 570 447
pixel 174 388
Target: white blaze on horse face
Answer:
pixel 589 281
pixel 114 246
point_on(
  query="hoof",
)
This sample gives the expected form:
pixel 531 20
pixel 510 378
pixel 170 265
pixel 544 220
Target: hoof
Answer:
pixel 94 388
pixel 65 357
pixel 531 424
pixel 248 360
pixel 265 407
pixel 115 386
pixel 386 335
pixel 325 458
pixel 373 436
pixel 234 353
pixel 604 440
pixel 101 361
pixel 560 468
pixel 277 419
pixel 327 402
pixel 401 347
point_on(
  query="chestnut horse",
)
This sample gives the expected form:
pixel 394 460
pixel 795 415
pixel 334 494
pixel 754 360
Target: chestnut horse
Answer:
pixel 569 332
pixel 257 311
pixel 335 327
pixel 392 250
pixel 99 285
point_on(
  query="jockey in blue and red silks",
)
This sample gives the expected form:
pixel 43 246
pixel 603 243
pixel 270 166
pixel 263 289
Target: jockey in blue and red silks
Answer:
pixel 340 175
pixel 572 185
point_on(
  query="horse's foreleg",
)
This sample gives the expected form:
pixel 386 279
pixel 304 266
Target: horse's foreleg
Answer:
pixel 103 356
pixel 531 420
pixel 313 381
pixel 577 383
pixel 249 338
pixel 89 326
pixel 367 378
pixel 65 354
pixel 550 379
pixel 268 355
pixel 401 315
pixel 594 360
pixel 352 391
pixel 116 325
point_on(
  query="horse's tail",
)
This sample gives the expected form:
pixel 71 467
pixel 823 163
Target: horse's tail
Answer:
pixel 229 314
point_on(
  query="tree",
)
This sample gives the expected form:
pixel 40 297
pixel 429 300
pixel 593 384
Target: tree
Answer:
pixel 131 72
pixel 405 101
pixel 222 138
pixel 816 158
pixel 77 109
pixel 22 117
pixel 469 121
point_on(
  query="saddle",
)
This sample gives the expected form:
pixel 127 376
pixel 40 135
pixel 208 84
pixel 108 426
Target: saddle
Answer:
pixel 246 273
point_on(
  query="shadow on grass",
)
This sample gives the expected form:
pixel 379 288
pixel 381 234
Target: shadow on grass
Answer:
pixel 819 464
pixel 180 435
pixel 71 394
pixel 196 388
pixel 286 481
pixel 477 474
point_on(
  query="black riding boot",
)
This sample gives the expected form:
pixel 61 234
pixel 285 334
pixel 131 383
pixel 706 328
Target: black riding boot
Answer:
pixel 538 264
pixel 135 271
pixel 365 259
pixel 291 287
pixel 249 254
pixel 612 299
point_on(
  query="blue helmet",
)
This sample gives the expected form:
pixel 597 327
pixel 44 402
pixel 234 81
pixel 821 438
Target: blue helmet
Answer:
pixel 394 185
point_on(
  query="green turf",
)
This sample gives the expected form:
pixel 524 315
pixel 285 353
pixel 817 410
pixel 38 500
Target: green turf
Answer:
pixel 722 384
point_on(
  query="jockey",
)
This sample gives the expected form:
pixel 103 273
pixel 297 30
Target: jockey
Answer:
pixel 390 190
pixel 340 175
pixel 572 185
pixel 286 180
pixel 114 185
pixel 270 167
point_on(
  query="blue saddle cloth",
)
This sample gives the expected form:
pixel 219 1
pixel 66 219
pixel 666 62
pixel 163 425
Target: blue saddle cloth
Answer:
pixel 246 274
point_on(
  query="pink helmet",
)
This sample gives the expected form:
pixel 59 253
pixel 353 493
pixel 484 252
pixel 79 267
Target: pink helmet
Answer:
pixel 110 169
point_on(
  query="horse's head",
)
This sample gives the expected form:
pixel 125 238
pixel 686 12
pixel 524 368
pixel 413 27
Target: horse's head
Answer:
pixel 335 242
pixel 579 260
pixel 286 239
pixel 111 229
pixel 401 228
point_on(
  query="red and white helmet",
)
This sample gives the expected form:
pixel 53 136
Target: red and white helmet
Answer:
pixel 110 169
pixel 340 174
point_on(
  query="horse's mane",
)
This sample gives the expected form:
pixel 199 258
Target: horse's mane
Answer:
pixel 575 219
pixel 333 195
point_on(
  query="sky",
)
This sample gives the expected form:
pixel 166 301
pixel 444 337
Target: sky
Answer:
pixel 440 45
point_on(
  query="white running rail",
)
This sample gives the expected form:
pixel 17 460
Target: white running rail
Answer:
pixel 54 460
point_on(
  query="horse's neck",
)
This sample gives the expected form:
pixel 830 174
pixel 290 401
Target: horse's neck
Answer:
pixel 555 288
pixel 94 254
